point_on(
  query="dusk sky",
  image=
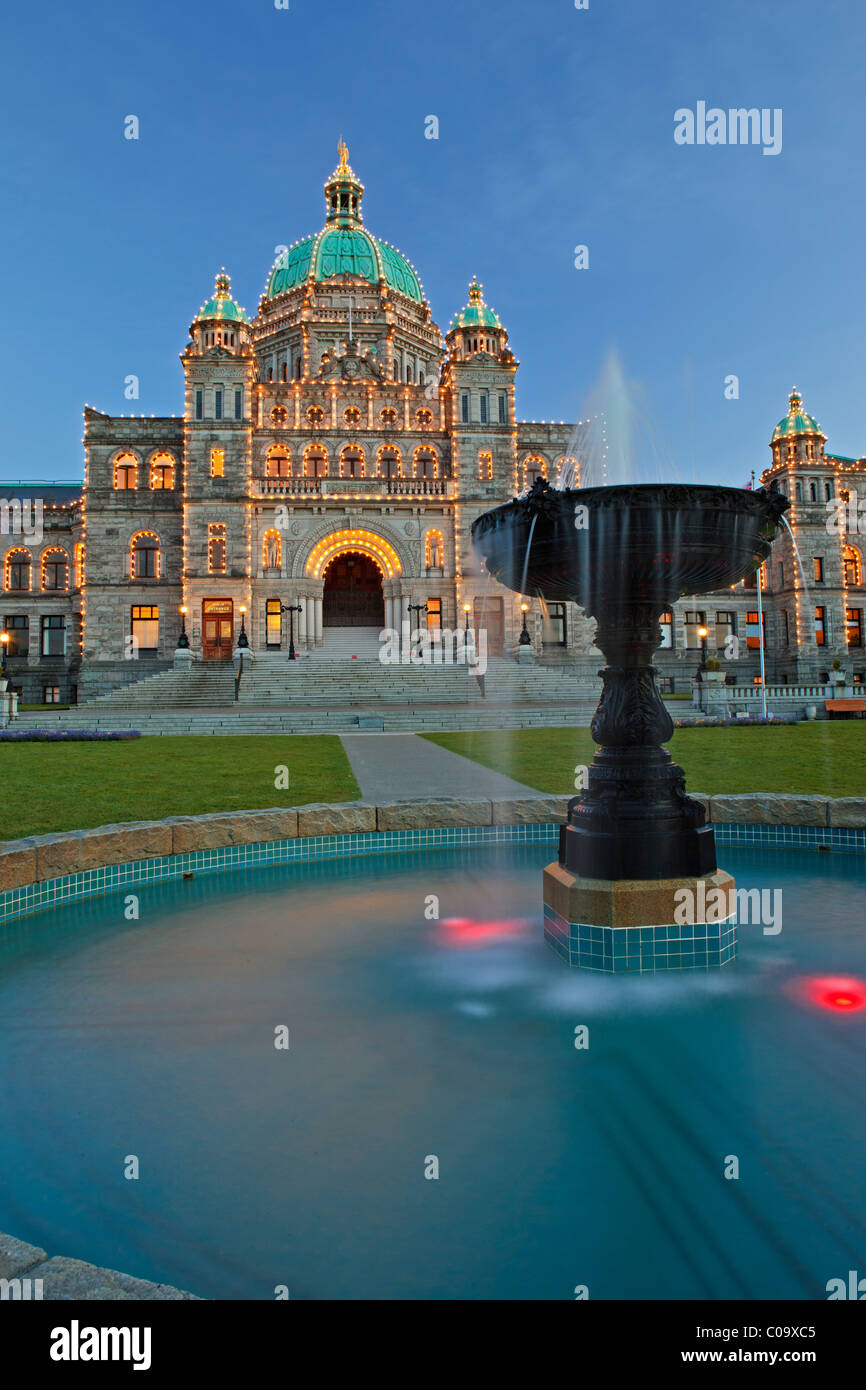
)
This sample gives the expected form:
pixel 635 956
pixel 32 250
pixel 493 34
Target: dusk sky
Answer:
pixel 556 129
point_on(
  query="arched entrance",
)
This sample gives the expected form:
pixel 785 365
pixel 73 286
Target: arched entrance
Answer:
pixel 352 592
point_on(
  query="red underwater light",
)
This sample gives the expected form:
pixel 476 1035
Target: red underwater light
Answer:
pixel 842 995
pixel 466 931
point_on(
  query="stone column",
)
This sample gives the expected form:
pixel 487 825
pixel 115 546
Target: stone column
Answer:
pixel 302 621
pixel 318 607
pixel 310 615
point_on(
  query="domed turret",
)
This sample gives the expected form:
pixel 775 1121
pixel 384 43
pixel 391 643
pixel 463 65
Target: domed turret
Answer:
pixel 797 435
pixel 477 327
pixel 220 322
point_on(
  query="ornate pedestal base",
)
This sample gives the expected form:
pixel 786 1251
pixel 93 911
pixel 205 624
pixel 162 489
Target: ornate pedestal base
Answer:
pixel 637 926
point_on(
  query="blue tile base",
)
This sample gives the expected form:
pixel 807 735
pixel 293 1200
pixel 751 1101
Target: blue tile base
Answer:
pixel 641 950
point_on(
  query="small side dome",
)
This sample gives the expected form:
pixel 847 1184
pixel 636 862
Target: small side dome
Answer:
pixel 475 314
pixel 221 306
pixel 796 422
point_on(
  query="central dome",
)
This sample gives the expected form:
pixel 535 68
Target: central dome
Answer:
pixel 343 246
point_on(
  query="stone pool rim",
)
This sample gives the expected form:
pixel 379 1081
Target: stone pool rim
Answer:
pixel 45 870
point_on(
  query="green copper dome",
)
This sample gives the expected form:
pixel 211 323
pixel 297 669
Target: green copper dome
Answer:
pixel 343 246
pixel 796 421
pixel 222 306
pixel 475 314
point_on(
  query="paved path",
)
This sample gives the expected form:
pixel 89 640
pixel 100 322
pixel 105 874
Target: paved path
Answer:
pixel 390 767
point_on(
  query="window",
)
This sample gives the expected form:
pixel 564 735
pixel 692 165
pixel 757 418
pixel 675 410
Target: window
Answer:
pixel 144 556
pixel 780 573
pixel 388 416
pixel 786 634
pixel 199 403
pixel 279 415
pixel 503 408
pixel 239 404
pixel 799 492
pixel 424 418
pixel 464 407
pixel 55 570
pixel 426 463
pixel 534 467
pixel 273 622
pixel 695 622
pixel 51 694
pixel 217 463
pixel 278 464
pixel 272 549
pixel 665 685
pixel 125 472
pixel 851 567
pixel 390 462
pixel 434 615
pixel 218 403
pixel 553 625
pixel 666 628
pixel 828 491
pixel 144 625
pixel 161 472
pixel 753 632
pixel 53 626
pixel 352 462
pixel 216 547
pixel 813 493
pixel 18 570
pixel 485 467
pixel 352 415
pixel 434 551
pixel 818 569
pixel 315 415
pixel 726 626
pixel 315 462
pixel 820 627
pixel 483 403
pixel 18 627
pixel 854 626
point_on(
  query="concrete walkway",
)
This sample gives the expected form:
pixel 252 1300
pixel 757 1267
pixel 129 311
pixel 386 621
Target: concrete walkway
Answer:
pixel 393 766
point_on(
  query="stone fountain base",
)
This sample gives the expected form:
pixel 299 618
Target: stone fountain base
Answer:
pixel 637 925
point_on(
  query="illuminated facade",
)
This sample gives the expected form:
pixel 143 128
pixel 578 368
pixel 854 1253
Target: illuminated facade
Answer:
pixel 332 454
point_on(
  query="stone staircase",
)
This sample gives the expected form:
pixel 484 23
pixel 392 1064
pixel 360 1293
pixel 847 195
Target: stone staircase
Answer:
pixel 327 693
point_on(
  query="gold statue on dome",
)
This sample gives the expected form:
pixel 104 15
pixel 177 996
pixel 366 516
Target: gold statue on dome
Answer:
pixel 343 152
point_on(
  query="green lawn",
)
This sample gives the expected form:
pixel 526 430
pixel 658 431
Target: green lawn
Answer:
pixel 51 786
pixel 826 758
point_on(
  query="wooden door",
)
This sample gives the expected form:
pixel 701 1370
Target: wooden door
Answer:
pixel 217 629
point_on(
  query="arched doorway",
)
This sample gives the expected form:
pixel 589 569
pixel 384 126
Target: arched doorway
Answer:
pixel 352 592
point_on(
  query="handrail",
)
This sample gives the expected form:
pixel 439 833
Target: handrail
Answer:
pixel 239 674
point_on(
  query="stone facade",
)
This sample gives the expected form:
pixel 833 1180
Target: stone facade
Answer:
pixel 332 455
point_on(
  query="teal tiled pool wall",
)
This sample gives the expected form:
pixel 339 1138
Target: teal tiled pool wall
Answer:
pixel 17 902
pixel 617 950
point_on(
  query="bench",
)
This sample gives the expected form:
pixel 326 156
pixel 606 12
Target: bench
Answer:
pixel 845 709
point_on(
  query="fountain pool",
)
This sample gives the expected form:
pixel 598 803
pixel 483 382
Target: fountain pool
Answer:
pixel 410 1038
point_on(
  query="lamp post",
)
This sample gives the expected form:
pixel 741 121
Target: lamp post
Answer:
pixel 525 639
pixel 183 640
pixel 703 633
pixel 243 640
pixel 4 647
pixel 291 609
pixel 467 609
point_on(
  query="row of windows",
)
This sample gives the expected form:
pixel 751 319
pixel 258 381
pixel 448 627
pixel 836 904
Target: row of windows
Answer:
pixel 352 462
pixel 852 568
pixel 219 403
pixel 484 414
pixel 53 569
pixel 52 634
pixel 352 415
pixel 161 473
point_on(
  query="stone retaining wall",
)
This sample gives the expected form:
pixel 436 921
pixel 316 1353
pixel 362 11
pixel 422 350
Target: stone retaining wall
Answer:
pixel 34 1276
pixel 43 857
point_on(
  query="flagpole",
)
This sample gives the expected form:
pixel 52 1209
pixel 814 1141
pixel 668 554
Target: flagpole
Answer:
pixel 761 639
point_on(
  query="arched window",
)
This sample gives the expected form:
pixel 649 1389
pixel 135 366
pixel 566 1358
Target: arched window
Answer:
pixel 390 462
pixel 17 577
pixel 426 463
pixel 315 461
pixel 272 549
pixel 79 565
pixel 216 547
pixel 315 415
pixel 485 466
pixel 278 463
pixel 424 418
pixel 161 472
pixel 388 416
pixel 144 556
pixel 55 569
pixel 352 415
pixel 534 467
pixel 799 487
pixel 279 415
pixel 813 493
pixel 351 461
pixel 852 567
pixel 125 472
pixel 434 550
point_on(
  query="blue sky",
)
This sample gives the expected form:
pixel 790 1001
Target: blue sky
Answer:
pixel 556 129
